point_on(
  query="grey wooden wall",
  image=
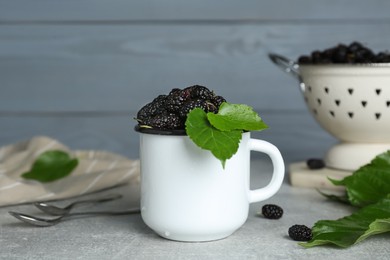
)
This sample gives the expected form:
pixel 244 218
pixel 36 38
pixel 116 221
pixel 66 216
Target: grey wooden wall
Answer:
pixel 78 70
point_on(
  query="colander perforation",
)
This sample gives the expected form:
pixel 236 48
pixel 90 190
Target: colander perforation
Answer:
pixel 317 102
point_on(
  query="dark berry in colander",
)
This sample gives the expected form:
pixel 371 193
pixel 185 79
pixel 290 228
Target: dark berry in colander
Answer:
pixel 345 54
pixel 169 112
pixel 382 57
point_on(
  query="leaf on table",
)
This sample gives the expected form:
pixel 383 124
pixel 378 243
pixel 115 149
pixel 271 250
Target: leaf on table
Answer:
pixel 368 221
pixel 341 199
pixel 236 117
pixel 370 183
pixel 50 166
pixel 223 145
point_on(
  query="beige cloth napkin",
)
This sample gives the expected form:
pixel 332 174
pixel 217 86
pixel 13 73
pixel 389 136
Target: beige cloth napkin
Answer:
pixel 96 170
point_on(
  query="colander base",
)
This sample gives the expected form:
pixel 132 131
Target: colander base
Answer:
pixel 351 156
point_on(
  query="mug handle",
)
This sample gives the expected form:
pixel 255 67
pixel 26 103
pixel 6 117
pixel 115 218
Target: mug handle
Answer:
pixel 278 172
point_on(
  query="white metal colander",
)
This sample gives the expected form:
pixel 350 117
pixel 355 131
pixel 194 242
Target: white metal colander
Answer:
pixel 352 103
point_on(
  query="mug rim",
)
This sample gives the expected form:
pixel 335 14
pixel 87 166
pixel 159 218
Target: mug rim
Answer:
pixel 154 131
pixel 177 132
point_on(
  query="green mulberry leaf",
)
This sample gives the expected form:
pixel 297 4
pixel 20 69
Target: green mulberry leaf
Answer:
pixel 223 145
pixel 370 183
pixel 51 166
pixel 368 221
pixel 236 117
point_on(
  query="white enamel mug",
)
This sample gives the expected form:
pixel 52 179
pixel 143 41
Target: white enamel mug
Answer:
pixel 186 194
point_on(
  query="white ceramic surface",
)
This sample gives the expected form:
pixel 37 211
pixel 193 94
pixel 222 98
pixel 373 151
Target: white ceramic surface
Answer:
pixel 186 195
pixel 351 102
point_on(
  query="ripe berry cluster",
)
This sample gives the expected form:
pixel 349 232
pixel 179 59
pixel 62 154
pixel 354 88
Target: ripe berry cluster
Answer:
pixel 169 112
pixel 345 54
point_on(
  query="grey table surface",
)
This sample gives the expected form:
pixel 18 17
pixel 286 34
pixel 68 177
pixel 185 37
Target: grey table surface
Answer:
pixel 127 237
pixel 78 71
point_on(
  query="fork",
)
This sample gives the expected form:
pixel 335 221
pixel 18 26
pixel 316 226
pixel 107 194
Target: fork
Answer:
pixel 44 222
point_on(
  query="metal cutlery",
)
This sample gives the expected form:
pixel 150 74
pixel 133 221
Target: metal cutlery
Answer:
pixel 64 212
pixel 59 211
pixel 44 222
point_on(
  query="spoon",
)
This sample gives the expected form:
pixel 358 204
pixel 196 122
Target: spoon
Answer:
pixel 58 211
pixel 44 222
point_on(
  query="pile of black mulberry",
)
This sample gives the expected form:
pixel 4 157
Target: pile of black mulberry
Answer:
pixel 345 54
pixel 169 112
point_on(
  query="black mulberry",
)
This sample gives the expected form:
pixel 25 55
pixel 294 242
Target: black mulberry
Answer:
pixel 218 100
pixel 315 164
pixel 164 121
pixel 198 103
pixel 176 99
pixel 300 233
pixel 199 92
pixel 157 106
pixel 169 112
pixel 341 53
pixel 272 211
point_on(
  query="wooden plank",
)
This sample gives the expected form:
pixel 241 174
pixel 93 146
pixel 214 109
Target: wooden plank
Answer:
pixel 171 10
pixel 120 68
pixel 301 176
pixel 296 134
